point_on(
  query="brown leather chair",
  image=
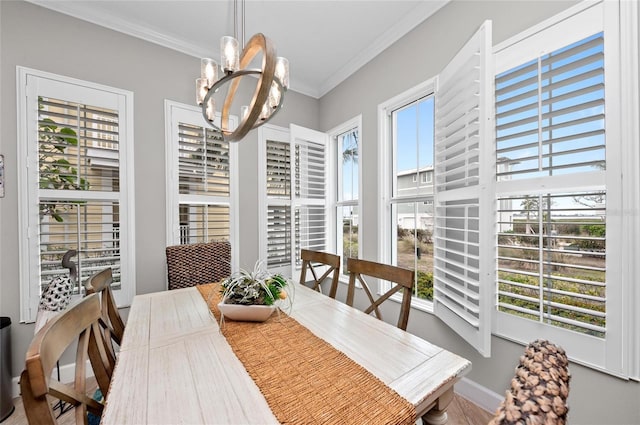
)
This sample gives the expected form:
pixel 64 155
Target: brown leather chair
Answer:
pixel 195 264
pixel 113 325
pixel 314 259
pixel 404 279
pixel 79 323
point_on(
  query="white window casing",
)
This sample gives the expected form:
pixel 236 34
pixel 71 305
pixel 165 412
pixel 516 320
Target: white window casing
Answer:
pixel 292 193
pixel 473 200
pixel 390 196
pixel 335 196
pixel 93 211
pixel 551 173
pixel 201 180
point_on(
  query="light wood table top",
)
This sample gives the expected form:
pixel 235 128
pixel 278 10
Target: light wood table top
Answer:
pixel 175 366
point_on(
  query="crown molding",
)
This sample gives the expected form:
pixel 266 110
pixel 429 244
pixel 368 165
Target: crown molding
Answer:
pixel 419 14
pixel 86 12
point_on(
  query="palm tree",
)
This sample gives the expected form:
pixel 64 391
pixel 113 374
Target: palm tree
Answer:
pixel 529 204
pixel 350 152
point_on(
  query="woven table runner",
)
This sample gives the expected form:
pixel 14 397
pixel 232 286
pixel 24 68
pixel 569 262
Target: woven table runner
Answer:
pixel 304 379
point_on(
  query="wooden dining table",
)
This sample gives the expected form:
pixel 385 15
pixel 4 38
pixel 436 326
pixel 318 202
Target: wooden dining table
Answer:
pixel 175 365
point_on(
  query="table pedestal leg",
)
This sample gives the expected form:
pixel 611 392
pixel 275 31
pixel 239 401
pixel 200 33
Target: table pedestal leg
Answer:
pixel 438 414
pixel 435 417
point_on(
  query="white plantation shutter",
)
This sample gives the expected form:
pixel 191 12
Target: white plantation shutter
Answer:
pixel 293 195
pixel 309 179
pixel 562 181
pixel 279 236
pixel 78 151
pixel 75 183
pixel 278 186
pixel 463 275
pixel 201 170
pixel 559 96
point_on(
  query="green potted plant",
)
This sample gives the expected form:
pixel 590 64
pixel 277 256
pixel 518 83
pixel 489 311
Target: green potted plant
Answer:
pixel 252 295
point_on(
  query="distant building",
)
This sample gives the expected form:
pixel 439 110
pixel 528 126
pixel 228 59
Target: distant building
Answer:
pixel 412 183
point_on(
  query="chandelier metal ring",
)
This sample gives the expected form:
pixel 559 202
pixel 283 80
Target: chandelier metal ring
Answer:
pixel 266 78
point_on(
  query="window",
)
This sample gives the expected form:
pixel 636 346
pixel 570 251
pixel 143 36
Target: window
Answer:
pixel 292 195
pixel 529 238
pixel 408 157
pixel 552 260
pixel 346 146
pixel 558 187
pixel 75 141
pixel 201 180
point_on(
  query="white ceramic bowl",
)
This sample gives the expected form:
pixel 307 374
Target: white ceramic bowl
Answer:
pixel 246 313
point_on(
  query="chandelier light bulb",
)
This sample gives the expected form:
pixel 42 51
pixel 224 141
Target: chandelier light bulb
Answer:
pixel 230 54
pixel 211 109
pixel 266 111
pixel 209 70
pixel 201 90
pixel 274 96
pixel 265 103
pixel 282 71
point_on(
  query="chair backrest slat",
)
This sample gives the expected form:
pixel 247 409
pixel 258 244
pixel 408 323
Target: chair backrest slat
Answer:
pixel 80 323
pixel 403 278
pixel 111 322
pixel 311 259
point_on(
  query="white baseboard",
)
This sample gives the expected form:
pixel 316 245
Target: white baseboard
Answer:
pixel 478 394
pixel 67 373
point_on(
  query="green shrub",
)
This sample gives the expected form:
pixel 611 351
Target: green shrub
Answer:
pixel 424 286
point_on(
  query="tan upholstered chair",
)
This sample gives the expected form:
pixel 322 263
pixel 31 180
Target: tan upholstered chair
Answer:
pixel 539 389
pixel 314 259
pixel 195 264
pixel 78 323
pixel 403 278
pixel 113 325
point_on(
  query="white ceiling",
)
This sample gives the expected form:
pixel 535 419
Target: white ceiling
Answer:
pixel 325 40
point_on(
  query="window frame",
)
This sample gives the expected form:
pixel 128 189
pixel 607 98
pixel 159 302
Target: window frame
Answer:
pixel 387 250
pixel 334 191
pixel 572 25
pixel 293 136
pixel 175 113
pixel 29 192
pixel 627 362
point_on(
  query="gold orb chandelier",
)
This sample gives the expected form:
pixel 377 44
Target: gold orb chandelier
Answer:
pixel 272 82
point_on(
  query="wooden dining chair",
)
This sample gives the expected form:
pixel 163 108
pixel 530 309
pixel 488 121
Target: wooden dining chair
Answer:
pixel 195 264
pixel 315 259
pixel 78 323
pixel 403 278
pixel 112 323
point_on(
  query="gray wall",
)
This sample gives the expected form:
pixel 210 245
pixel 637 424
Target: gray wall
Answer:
pixel 38 38
pixel 595 398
